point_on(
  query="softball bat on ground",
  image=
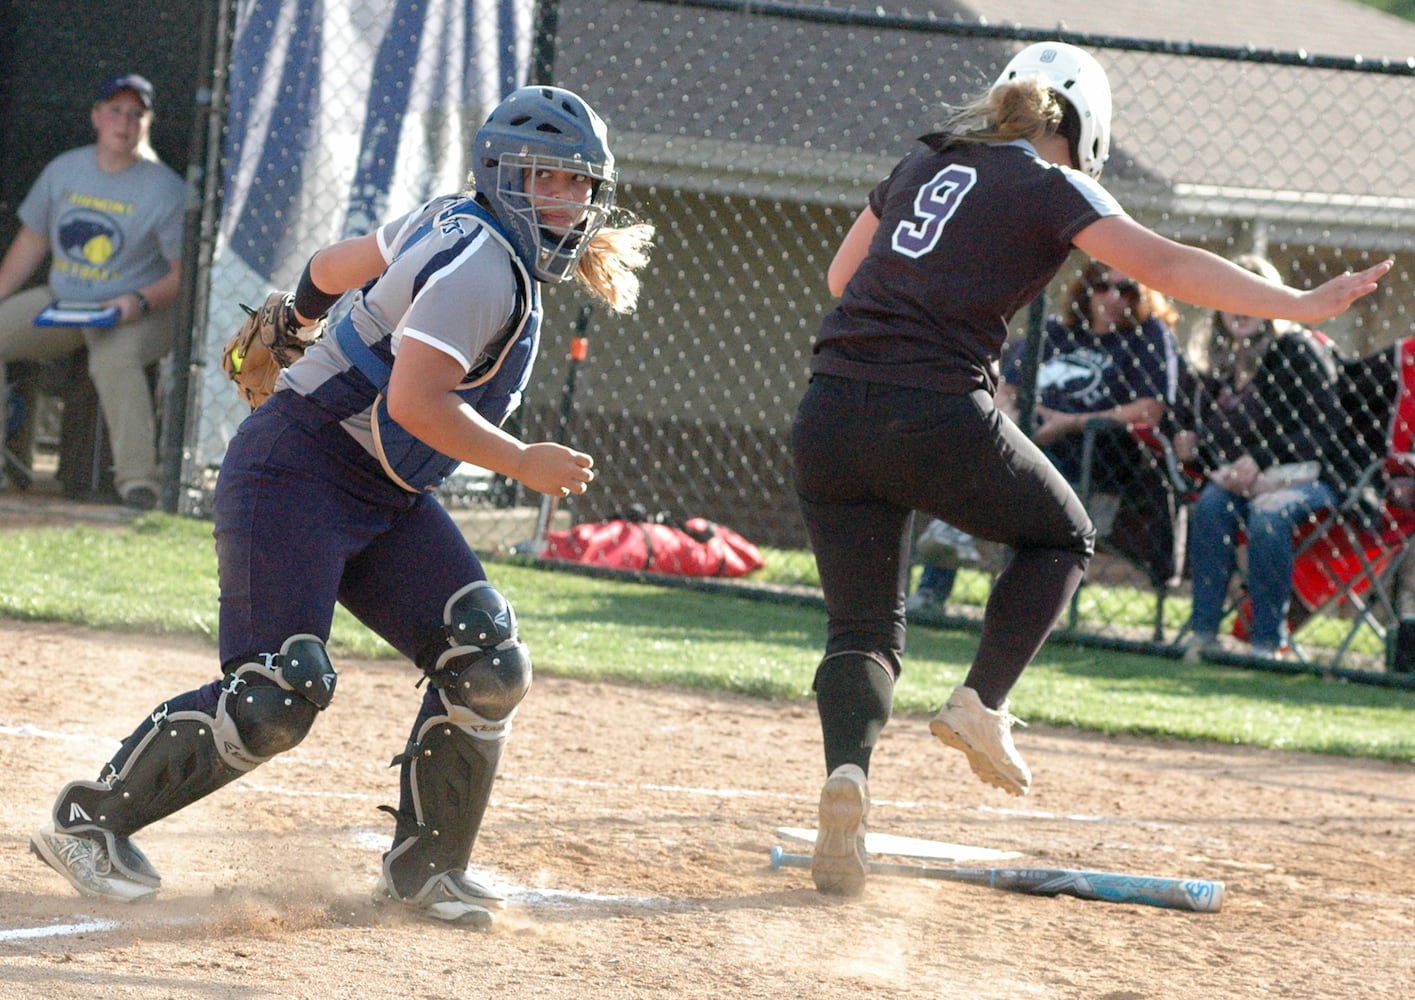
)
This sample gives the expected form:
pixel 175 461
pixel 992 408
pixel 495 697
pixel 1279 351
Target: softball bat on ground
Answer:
pixel 1198 895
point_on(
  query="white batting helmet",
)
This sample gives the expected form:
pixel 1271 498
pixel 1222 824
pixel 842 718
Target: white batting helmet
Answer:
pixel 1075 75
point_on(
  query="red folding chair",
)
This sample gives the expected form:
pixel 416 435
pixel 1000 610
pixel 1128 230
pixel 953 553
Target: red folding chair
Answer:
pixel 1352 556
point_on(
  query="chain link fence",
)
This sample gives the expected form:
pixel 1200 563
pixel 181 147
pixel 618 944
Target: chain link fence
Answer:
pixel 750 134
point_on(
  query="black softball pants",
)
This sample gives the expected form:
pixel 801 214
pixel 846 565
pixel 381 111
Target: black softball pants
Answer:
pixel 866 455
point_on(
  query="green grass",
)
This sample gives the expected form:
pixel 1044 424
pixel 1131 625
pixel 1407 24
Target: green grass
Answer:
pixel 158 575
pixel 1099 609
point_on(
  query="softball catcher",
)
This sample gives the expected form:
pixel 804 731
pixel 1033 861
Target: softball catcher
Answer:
pixel 325 495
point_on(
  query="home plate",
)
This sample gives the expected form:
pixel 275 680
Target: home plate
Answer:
pixel 911 847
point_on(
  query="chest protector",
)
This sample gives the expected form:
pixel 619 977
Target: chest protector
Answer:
pixel 493 388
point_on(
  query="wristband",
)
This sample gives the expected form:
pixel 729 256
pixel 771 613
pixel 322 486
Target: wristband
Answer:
pixel 310 300
pixel 143 305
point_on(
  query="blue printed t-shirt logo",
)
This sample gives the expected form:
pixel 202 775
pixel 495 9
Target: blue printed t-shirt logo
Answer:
pixel 1078 375
pixel 88 240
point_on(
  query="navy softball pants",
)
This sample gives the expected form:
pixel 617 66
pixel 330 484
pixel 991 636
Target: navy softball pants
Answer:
pixel 866 455
pixel 305 517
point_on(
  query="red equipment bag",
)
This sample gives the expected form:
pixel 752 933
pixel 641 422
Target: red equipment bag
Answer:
pixel 695 547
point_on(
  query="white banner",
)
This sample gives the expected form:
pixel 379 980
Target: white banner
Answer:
pixel 341 114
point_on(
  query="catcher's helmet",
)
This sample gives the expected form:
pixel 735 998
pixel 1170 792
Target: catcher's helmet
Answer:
pixel 543 128
pixel 1075 75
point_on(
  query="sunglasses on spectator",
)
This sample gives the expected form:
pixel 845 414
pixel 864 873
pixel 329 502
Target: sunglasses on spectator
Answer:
pixel 1126 287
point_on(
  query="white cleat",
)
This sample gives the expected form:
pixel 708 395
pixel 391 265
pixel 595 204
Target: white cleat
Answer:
pixel 452 898
pixel 838 863
pixel 85 862
pixel 985 735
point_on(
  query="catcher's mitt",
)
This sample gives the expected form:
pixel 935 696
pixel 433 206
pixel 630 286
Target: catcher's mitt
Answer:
pixel 267 341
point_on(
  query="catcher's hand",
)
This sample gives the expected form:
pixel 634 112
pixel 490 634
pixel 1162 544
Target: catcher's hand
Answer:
pixel 270 339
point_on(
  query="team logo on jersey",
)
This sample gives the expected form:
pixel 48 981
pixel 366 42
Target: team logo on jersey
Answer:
pixel 88 240
pixel 88 237
pixel 1078 375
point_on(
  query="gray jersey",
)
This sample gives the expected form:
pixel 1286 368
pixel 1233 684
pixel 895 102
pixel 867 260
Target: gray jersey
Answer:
pixel 448 283
pixel 109 233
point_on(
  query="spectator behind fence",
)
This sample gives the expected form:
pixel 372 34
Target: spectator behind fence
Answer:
pixel 109 215
pixel 1261 415
pixel 1110 354
pixel 941 548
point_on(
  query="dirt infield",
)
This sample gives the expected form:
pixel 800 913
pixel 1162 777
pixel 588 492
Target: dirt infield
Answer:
pixel 631 828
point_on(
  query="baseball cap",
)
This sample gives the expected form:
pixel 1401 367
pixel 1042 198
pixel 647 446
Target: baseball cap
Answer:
pixel 129 81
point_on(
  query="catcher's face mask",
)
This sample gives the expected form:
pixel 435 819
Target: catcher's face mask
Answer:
pixel 534 132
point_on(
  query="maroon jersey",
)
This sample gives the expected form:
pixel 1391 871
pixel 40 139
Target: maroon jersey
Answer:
pixel 968 234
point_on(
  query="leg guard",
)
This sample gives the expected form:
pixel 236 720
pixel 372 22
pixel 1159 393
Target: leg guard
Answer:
pixel 265 707
pixel 478 679
pixel 854 695
pixel 485 668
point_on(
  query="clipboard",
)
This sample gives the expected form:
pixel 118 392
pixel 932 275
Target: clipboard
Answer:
pixel 61 313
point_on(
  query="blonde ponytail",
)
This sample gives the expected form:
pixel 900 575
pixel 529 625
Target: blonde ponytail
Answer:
pixel 608 269
pixel 1025 108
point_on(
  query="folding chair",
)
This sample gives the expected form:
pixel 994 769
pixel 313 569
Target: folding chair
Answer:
pixel 1352 556
pixel 1138 525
